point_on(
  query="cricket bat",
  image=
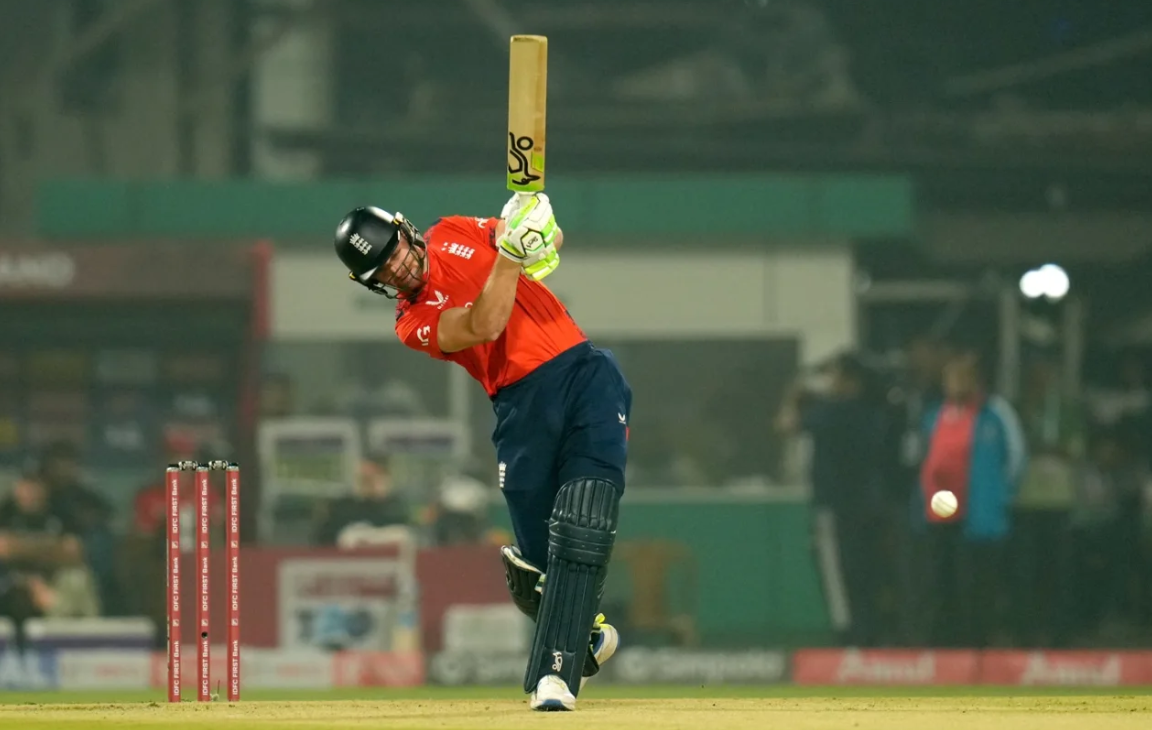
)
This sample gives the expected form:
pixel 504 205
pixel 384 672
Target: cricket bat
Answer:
pixel 527 112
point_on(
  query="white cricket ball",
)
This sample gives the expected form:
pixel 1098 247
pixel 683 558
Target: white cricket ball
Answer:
pixel 944 503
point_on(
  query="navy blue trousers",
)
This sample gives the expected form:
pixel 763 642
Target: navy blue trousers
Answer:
pixel 566 420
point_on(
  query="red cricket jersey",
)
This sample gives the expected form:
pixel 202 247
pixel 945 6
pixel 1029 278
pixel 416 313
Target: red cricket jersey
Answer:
pixel 461 253
pixel 949 457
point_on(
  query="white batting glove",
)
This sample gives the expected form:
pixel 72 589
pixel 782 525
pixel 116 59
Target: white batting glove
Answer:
pixel 530 235
pixel 529 232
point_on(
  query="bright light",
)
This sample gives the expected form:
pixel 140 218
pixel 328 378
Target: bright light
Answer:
pixel 1050 281
pixel 1032 284
pixel 1056 283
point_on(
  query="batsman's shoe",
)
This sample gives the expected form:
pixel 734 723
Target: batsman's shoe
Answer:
pixel 605 641
pixel 552 695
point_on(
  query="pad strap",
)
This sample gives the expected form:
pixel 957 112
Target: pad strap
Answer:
pixel 523 580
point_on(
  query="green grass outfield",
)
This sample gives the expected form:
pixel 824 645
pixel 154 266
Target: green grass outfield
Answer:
pixel 687 708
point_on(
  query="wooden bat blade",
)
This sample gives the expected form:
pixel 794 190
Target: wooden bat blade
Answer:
pixel 527 112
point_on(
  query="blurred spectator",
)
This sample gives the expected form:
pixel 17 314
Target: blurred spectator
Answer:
pixel 460 513
pixel 1106 531
pixel 921 391
pixel 62 473
pixel 1136 419
pixel 846 426
pixel 145 548
pixel 89 512
pixel 976 450
pixel 372 506
pixel 1054 430
pixel 42 571
pixel 1126 404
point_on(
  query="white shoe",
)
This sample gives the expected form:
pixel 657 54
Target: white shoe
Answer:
pixel 552 695
pixel 604 644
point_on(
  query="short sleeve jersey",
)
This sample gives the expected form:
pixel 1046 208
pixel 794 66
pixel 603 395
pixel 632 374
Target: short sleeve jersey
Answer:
pixel 461 253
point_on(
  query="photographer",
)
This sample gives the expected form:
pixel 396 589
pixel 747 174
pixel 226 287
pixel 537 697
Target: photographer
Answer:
pixel 847 425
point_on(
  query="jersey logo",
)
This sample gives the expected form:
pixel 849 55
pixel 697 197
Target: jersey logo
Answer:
pixel 424 334
pixel 480 222
pixel 440 301
pixel 360 244
pixel 464 252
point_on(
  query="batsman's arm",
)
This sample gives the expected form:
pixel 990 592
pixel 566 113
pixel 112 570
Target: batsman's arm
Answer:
pixel 463 327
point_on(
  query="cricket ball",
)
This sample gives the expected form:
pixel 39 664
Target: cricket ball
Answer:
pixel 944 503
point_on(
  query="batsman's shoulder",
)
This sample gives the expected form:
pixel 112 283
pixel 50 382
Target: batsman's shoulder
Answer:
pixel 474 228
pixel 452 222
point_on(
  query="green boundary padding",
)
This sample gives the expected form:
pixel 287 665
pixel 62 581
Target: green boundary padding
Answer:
pixel 672 208
pixel 86 208
pixel 758 579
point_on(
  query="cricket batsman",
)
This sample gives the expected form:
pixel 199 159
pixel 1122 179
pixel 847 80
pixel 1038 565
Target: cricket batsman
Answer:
pixel 469 291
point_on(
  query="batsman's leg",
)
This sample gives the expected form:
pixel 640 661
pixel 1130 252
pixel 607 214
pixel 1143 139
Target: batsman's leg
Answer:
pixel 525 585
pixel 581 534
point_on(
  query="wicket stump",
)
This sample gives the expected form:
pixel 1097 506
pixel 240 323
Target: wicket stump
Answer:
pixel 203 552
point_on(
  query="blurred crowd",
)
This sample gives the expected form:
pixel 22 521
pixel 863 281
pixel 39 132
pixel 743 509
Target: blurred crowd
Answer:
pixel 63 556
pixel 374 510
pixel 1052 543
pixel 56 544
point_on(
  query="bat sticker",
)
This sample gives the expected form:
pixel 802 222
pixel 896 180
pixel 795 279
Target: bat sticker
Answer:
pixel 517 148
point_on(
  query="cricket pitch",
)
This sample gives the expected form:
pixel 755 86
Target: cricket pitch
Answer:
pixel 833 709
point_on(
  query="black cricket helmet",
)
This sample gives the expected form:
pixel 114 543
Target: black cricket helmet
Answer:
pixel 367 237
